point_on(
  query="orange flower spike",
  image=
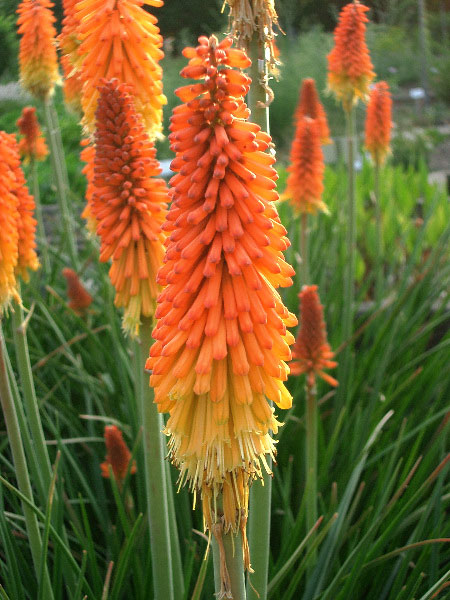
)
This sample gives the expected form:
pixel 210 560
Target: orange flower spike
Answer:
pixel 350 69
pixel 9 218
pixel 379 122
pixel 304 186
pixel 128 203
pixel 310 106
pixel 37 57
pixel 118 455
pixel 221 339
pixel 87 155
pixel 80 298
pixel 32 146
pixel 120 40
pixel 70 60
pixel 26 226
pixel 311 352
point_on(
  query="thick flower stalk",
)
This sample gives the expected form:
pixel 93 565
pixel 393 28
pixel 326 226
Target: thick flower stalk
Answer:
pixel 304 186
pixel 128 203
pixel 79 298
pixel 379 122
pixel 350 69
pixel 221 338
pixel 309 105
pixel 311 352
pixel 37 57
pixel 119 39
pixel 87 155
pixel 118 456
pixel 69 42
pixel 32 145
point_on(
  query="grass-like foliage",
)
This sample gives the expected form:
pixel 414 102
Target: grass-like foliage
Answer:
pixel 383 439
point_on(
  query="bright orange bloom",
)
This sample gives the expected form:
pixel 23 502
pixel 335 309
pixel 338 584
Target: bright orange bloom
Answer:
pixel 311 351
pixel 119 39
pixel 87 155
pixel 379 122
pixel 37 57
pixel 70 59
pixel 32 146
pixel 304 186
pixel 310 106
pixel 350 69
pixel 80 298
pixel 9 216
pixel 118 455
pixel 221 338
pixel 128 203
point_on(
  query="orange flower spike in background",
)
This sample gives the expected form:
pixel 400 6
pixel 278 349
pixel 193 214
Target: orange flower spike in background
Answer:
pixel 118 455
pixel 80 298
pixel 32 146
pixel 128 203
pixel 221 338
pixel 379 122
pixel 69 43
pixel 37 57
pixel 9 217
pixel 304 186
pixel 119 39
pixel 310 106
pixel 311 352
pixel 350 69
pixel 87 155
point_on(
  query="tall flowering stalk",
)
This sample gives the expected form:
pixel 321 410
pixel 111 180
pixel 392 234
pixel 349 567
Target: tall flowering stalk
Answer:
pixel 304 185
pixel 119 39
pixel 38 75
pixel 377 141
pixel 350 73
pixel 128 203
pixel 309 105
pixel 221 338
pixel 311 354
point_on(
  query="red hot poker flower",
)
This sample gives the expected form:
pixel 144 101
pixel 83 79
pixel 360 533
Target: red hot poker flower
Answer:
pixel 379 122
pixel 128 203
pixel 221 338
pixel 311 352
pixel 37 57
pixel 80 298
pixel 304 186
pixel 70 60
pixel 118 455
pixel 350 69
pixel 310 106
pixel 87 155
pixel 32 146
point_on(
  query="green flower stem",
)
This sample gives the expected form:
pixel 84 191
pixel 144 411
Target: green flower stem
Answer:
pixel 349 290
pixel 379 278
pixel 304 249
pixel 21 469
pixel 155 477
pixel 260 495
pixel 58 166
pixel 311 465
pixel 228 562
pixel 177 565
pixel 29 396
pixel 43 246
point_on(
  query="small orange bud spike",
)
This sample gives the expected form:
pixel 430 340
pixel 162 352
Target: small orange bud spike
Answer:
pixel 310 106
pixel 304 186
pixel 118 455
pixel 128 203
pixel 121 40
pixel 37 58
pixel 311 352
pixel 350 69
pixel 80 298
pixel 379 122
pixel 32 146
